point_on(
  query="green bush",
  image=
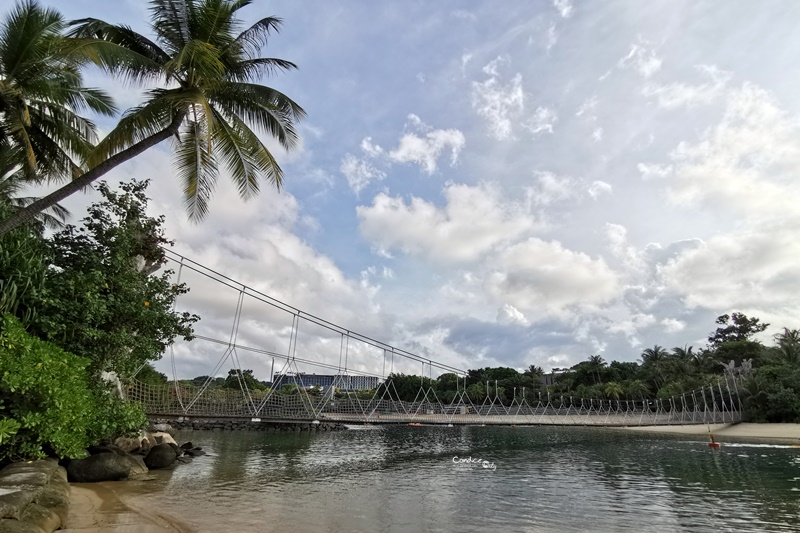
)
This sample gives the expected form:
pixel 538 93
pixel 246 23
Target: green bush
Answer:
pixel 45 390
pixel 114 417
pixel 23 264
pixel 48 404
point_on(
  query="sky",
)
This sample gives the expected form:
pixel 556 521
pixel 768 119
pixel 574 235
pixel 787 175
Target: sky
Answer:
pixel 503 184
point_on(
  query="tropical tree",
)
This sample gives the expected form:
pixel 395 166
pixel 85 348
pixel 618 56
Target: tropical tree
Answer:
pixel 207 101
pixel 41 93
pixel 788 344
pixel 614 390
pixel 636 389
pixel 736 327
pixel 13 180
pixel 596 364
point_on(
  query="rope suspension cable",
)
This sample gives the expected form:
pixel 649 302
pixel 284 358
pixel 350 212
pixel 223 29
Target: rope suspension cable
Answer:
pixel 284 370
pixel 235 356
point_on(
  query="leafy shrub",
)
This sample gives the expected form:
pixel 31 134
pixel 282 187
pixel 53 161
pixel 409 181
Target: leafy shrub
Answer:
pixel 23 264
pixel 48 404
pixel 114 417
pixel 45 390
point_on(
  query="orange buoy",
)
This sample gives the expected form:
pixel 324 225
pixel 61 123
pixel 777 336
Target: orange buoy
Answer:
pixel 713 444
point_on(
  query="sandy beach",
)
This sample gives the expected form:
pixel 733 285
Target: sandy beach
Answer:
pixel 783 432
pixel 104 507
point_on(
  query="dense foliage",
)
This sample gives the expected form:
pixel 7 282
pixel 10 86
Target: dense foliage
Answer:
pixel 77 304
pixel 100 299
pixel 48 403
pixel 23 264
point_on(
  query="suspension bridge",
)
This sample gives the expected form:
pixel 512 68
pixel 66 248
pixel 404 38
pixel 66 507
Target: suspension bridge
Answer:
pixel 348 357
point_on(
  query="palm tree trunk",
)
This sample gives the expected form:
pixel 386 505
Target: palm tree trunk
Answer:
pixel 25 215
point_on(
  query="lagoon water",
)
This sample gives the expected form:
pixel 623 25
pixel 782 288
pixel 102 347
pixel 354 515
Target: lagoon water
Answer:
pixel 398 479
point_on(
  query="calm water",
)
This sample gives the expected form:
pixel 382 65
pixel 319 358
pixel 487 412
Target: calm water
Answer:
pixel 536 479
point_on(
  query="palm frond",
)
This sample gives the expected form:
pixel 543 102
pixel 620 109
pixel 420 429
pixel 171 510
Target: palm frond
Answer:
pixel 142 121
pixel 252 69
pixel 170 20
pixel 254 38
pixel 267 109
pixel 196 167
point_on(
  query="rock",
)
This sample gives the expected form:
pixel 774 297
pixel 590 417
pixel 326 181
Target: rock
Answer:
pixel 101 467
pixel 195 452
pixel 187 446
pixel 138 467
pixel 160 456
pixel 162 438
pixel 162 428
pixel 55 497
pixel 133 444
pixel 15 526
pixel 184 460
pixel 41 517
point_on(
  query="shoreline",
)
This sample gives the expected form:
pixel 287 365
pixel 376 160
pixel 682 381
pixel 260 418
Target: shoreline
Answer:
pixel 767 431
pixel 109 507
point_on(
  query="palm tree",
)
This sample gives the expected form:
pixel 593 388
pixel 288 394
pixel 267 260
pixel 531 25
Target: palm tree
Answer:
pixel 789 345
pixel 13 181
pixel 613 390
pixel 41 91
pixel 596 364
pixel 207 101
pixel 637 389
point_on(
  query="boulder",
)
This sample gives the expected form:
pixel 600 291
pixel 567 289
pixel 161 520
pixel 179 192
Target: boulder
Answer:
pixel 162 428
pixel 187 446
pixel 162 438
pixel 195 452
pixel 160 456
pixel 100 467
pixel 132 444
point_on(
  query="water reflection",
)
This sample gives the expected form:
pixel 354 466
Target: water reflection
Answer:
pixel 546 479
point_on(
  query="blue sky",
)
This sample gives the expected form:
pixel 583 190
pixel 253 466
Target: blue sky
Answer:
pixel 509 184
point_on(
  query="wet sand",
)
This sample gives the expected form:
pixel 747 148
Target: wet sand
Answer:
pixel 782 432
pixel 105 507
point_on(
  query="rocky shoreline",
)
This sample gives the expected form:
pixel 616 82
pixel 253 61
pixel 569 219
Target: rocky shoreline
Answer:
pixel 35 495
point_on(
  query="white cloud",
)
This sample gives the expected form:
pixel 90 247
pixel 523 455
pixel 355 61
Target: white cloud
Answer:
pixel 748 162
pixel 643 60
pixel 599 187
pixel 491 67
pixel 680 94
pixel 587 108
pixel 499 104
pixel 369 148
pixel 551 37
pixel 654 171
pixel 508 314
pixel 474 221
pixel 754 269
pixel 539 277
pixel 597 134
pixel 426 150
pixel 564 7
pixel 550 188
pixel 542 121
pixel 673 325
pixel 359 172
